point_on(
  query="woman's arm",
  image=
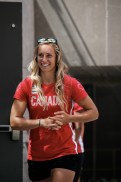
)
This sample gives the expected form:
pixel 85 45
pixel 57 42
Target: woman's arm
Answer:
pixel 18 122
pixel 90 113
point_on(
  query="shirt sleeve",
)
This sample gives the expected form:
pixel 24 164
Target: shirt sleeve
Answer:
pixel 78 91
pixel 21 92
pixel 77 108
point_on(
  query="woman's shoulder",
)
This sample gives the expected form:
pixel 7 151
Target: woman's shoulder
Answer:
pixel 27 81
pixel 69 79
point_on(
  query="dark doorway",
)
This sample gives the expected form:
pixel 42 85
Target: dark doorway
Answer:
pixel 102 138
pixel 10 74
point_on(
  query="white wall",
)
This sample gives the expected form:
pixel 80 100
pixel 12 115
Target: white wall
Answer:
pixel 96 22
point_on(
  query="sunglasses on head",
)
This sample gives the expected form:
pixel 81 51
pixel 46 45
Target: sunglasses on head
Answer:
pixel 47 40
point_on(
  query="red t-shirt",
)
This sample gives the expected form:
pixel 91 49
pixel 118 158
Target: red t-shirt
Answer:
pixel 47 144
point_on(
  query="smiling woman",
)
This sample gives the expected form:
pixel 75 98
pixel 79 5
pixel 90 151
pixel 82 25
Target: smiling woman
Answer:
pixel 46 58
pixel 48 94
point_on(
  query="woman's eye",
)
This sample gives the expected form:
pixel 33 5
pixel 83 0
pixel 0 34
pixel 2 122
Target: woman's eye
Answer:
pixel 40 56
pixel 49 55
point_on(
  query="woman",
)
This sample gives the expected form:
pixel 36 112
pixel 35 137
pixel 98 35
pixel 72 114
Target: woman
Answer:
pixel 47 94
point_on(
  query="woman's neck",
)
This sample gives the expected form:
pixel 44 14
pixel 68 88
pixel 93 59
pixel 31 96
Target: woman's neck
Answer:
pixel 47 78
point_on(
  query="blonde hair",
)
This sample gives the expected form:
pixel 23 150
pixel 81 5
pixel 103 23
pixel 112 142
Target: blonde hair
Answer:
pixel 61 68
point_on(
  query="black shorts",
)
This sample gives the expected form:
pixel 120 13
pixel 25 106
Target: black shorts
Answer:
pixel 79 170
pixel 40 170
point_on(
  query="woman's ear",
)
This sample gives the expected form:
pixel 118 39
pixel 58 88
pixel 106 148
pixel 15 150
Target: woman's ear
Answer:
pixel 36 58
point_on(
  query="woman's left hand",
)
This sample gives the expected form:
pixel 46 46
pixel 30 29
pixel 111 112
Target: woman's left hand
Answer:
pixel 61 116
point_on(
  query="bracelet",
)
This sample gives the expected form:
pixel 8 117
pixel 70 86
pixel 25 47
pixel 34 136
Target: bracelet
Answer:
pixel 39 122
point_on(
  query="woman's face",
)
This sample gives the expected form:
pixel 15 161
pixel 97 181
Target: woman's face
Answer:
pixel 46 58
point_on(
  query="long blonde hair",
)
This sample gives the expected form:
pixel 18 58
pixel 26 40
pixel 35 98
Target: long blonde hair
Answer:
pixel 61 68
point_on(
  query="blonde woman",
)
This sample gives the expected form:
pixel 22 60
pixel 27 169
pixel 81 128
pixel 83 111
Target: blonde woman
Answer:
pixel 47 93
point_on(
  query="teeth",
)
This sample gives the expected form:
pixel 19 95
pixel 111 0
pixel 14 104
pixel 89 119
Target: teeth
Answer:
pixel 45 65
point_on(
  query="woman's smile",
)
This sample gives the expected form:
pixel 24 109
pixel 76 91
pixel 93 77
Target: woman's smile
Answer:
pixel 46 57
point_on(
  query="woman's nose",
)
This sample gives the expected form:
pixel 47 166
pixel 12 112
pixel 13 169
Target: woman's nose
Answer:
pixel 44 59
